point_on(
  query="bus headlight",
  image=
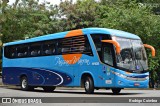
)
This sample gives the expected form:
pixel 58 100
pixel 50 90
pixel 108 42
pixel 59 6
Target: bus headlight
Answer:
pixel 120 75
pixel 123 76
pixel 147 77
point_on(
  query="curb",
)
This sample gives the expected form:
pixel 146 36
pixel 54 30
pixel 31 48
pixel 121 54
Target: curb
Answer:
pixel 1 85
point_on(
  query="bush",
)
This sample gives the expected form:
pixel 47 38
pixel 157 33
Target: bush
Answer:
pixel 0 67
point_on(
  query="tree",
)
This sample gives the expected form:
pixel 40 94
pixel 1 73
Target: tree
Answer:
pixel 127 15
pixel 82 14
pixel 28 19
pixel 130 16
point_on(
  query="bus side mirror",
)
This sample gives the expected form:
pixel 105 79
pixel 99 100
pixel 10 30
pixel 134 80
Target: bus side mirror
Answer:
pixel 152 49
pixel 115 43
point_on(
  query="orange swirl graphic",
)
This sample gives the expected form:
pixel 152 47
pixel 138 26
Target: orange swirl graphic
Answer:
pixel 73 58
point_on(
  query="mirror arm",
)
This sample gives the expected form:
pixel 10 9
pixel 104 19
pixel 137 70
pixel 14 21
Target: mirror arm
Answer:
pixel 115 43
pixel 152 49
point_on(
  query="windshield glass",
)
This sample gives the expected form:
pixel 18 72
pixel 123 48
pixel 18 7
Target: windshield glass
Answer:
pixel 132 56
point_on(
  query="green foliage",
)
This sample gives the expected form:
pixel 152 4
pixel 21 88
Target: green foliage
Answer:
pixel 131 16
pixel 154 65
pixel 0 67
pixel 79 15
pixel 28 18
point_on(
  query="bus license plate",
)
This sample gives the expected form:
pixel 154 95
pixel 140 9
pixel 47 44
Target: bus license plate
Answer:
pixel 136 84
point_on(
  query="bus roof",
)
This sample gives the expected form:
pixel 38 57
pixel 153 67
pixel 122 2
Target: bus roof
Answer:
pixel 113 32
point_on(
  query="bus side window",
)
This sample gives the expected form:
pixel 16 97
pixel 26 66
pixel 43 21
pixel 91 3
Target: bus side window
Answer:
pixel 98 44
pixel 13 54
pixel 87 47
pixel 35 49
pixel 107 55
pixel 22 51
pixel 59 46
pixel 49 48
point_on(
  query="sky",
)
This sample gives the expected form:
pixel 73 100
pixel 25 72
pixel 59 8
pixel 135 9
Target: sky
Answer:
pixel 51 1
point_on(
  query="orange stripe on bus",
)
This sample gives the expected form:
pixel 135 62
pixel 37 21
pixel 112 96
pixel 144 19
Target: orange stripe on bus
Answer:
pixel 73 58
pixel 74 33
pixel 152 49
pixel 115 43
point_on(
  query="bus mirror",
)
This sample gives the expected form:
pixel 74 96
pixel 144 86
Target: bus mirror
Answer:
pixel 115 43
pixel 152 49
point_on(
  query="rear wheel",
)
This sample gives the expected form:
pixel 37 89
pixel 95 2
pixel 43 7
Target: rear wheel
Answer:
pixel 49 88
pixel 24 84
pixel 116 90
pixel 89 85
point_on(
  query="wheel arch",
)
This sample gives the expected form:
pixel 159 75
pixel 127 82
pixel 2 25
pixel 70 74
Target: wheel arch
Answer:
pixel 85 74
pixel 22 75
pixel 27 86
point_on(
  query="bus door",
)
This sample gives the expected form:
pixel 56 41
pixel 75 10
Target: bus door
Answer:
pixel 107 68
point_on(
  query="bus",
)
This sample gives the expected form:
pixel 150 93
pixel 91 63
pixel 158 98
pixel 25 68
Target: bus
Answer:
pixel 93 58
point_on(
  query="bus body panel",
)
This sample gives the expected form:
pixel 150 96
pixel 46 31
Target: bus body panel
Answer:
pixel 85 32
pixel 36 76
pixel 131 80
pixel 52 65
pixel 103 75
pixel 54 71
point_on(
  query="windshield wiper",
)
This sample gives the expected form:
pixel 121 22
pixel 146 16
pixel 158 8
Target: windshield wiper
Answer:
pixel 141 65
pixel 138 61
pixel 133 59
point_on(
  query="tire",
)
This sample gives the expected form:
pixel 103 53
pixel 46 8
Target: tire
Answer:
pixel 116 90
pixel 49 88
pixel 24 84
pixel 89 85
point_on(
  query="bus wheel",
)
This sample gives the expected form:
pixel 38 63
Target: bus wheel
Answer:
pixel 89 85
pixel 24 84
pixel 116 91
pixel 49 88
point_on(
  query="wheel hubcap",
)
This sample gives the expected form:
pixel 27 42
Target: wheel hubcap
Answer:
pixel 87 84
pixel 24 83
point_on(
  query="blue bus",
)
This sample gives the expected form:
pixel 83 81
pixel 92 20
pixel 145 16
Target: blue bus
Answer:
pixel 92 58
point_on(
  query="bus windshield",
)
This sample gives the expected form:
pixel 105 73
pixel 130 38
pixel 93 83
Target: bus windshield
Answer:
pixel 132 57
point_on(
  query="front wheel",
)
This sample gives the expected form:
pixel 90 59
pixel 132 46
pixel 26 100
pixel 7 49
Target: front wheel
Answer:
pixel 116 90
pixel 89 85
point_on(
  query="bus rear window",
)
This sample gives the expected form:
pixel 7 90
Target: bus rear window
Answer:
pixel 10 51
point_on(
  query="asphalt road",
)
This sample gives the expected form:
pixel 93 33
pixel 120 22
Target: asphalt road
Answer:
pixel 12 91
pixel 64 93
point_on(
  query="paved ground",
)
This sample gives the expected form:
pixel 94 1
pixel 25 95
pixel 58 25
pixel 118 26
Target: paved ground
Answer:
pixel 12 91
